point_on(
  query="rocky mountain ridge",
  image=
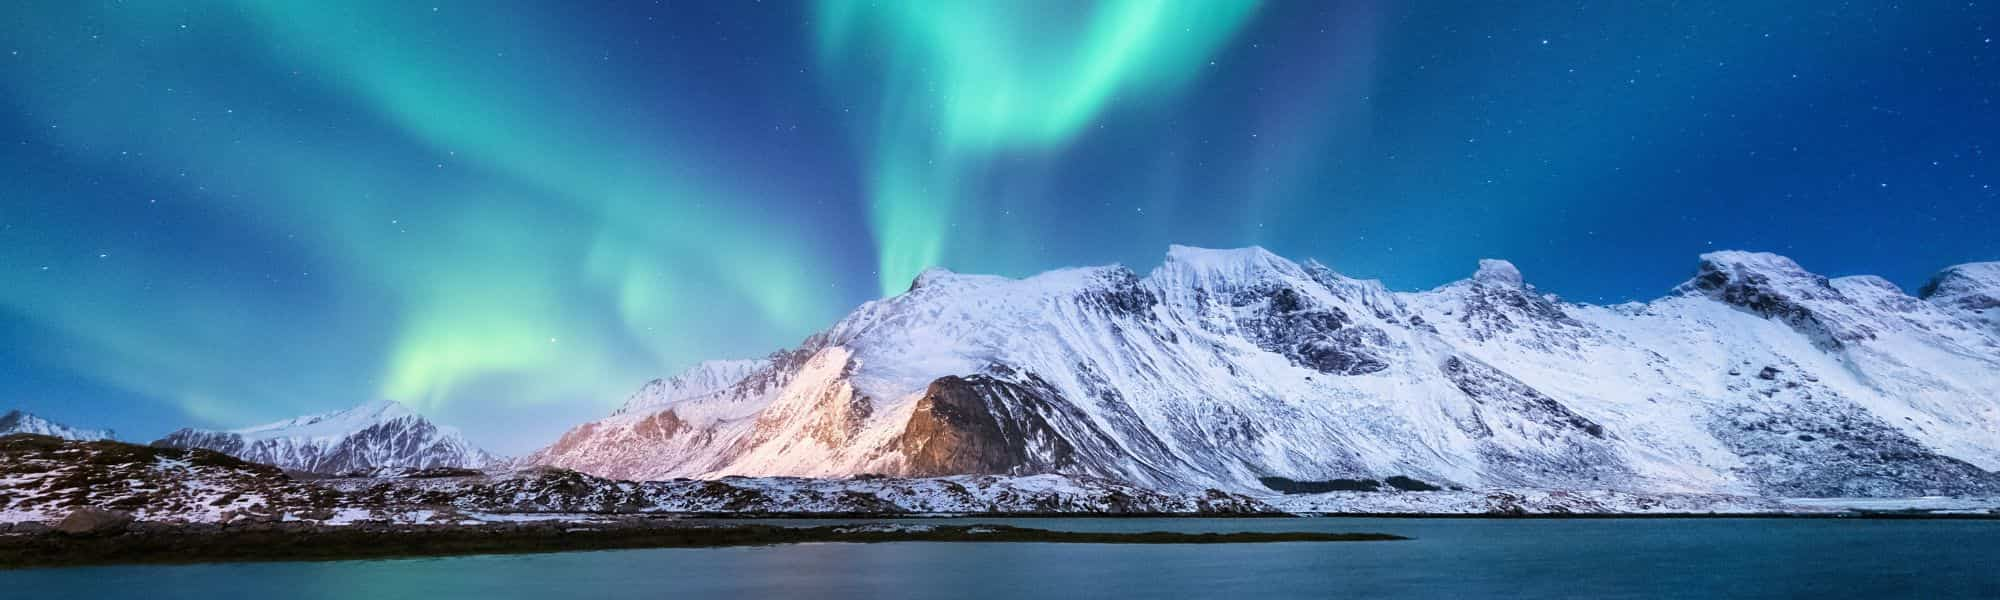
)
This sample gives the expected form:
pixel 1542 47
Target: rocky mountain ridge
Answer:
pixel 373 436
pixel 1223 368
pixel 17 421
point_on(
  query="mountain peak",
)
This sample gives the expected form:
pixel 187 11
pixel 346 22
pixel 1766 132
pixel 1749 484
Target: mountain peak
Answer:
pixel 1965 281
pixel 1192 265
pixel 1756 271
pixel 932 276
pixel 18 421
pixel 1748 261
pixel 1973 289
pixel 1246 255
pixel 1776 287
pixel 334 424
pixel 1497 272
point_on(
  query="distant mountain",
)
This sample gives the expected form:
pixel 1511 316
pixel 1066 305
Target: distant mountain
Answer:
pixel 16 421
pixel 378 435
pixel 1242 370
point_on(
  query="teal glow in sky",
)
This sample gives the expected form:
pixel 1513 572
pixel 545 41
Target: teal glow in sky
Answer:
pixel 510 215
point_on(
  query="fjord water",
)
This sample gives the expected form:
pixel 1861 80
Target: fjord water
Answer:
pixel 1449 558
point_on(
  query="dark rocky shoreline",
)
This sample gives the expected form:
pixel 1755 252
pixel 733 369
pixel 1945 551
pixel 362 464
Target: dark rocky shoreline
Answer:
pixel 176 543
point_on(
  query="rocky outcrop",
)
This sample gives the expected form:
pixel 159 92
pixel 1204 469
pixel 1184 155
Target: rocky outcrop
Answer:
pixel 981 425
pixel 1775 287
pixel 93 521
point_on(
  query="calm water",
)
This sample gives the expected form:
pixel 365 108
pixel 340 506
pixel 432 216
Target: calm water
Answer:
pixel 1697 558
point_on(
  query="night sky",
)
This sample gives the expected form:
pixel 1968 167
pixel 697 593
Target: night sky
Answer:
pixel 511 215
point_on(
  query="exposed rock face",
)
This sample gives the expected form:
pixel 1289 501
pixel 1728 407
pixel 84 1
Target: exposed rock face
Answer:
pixel 1226 368
pixel 1971 286
pixel 1282 320
pixel 1797 438
pixel 1496 304
pixel 91 521
pixel 1486 385
pixel 371 436
pixel 1774 286
pixel 655 427
pixel 983 425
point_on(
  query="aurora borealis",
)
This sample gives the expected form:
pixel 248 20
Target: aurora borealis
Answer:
pixel 510 215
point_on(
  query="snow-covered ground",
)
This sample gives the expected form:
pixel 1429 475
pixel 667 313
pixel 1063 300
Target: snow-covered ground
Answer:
pixel 44 480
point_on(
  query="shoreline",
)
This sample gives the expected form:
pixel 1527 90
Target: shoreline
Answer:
pixel 1857 515
pixel 757 516
pixel 172 544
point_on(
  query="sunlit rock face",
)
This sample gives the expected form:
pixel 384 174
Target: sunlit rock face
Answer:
pixel 1229 368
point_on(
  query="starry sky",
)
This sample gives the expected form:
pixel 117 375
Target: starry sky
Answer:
pixel 509 215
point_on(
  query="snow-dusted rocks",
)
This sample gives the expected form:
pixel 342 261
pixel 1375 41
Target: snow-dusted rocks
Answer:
pixel 1971 290
pixel 16 421
pixel 704 379
pixel 1223 367
pixel 377 435
pixel 44 479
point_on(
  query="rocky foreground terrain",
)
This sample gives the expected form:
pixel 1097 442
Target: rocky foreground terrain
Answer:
pixel 46 481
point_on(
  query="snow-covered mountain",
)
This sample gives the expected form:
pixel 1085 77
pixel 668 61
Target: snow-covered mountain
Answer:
pixel 1239 369
pixel 1972 289
pixel 377 435
pixel 16 421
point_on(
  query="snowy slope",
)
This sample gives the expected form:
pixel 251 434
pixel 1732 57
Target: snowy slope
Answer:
pixel 16 421
pixel 376 435
pixel 1222 368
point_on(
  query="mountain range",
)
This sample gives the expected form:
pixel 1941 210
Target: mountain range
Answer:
pixel 1240 370
pixel 374 436
pixel 16 421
